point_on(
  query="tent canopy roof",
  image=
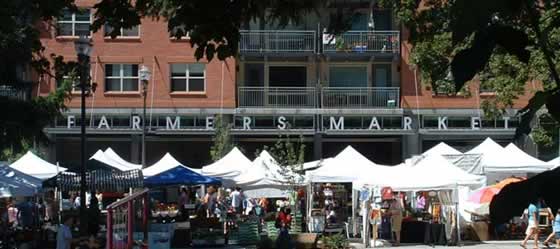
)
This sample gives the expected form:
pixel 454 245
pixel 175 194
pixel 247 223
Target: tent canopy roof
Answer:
pixel 263 172
pixel 165 163
pixel 178 175
pixel 15 183
pixel 232 164
pixel 442 149
pixel 347 166
pixel 102 158
pixel 486 147
pixel 33 165
pixel 111 154
pixel 512 159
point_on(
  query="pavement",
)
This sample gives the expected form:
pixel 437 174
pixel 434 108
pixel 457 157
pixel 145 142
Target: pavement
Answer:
pixel 465 245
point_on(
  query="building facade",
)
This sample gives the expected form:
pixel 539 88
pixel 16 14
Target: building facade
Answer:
pixel 355 88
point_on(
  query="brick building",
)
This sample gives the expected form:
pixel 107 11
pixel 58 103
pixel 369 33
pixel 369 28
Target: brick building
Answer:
pixel 351 89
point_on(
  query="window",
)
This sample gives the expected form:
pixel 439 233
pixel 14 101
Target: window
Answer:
pixel 74 23
pixel 348 76
pixel 382 75
pixel 121 77
pixel 131 32
pixel 188 77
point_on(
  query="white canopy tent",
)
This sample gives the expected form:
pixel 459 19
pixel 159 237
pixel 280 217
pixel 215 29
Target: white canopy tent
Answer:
pixel 316 164
pixel 516 160
pixel 101 157
pixel 33 165
pixel 111 154
pixel 231 165
pixel 488 146
pixel 347 166
pixel 554 163
pixel 167 162
pixel 263 178
pixel 442 149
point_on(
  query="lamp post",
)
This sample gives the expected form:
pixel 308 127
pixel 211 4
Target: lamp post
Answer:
pixel 83 50
pixel 144 75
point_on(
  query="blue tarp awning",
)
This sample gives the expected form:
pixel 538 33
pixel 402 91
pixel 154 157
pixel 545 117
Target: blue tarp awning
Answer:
pixel 179 175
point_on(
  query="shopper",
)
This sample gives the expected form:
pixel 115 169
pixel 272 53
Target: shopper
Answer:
pixel 237 200
pixel 94 215
pixel 396 210
pixel 283 223
pixel 64 234
pixel 184 201
pixel 533 224
pixel 555 230
pixel 27 213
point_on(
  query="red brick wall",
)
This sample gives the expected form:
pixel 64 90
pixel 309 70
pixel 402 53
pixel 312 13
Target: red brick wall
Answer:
pixel 154 49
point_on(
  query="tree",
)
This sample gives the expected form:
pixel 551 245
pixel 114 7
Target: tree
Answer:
pixel 503 44
pixel 290 157
pixel 23 120
pixel 222 139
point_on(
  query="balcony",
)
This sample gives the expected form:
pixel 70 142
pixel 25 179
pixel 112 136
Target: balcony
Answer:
pixel 360 97
pixel 277 97
pixel 362 42
pixel 331 97
pixel 277 41
pixel 14 93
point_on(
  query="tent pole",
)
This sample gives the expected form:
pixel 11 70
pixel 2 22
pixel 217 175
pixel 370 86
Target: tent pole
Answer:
pixel 457 215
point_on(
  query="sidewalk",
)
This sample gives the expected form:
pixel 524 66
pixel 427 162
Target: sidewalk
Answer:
pixel 467 245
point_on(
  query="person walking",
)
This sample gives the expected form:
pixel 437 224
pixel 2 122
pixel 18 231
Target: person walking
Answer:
pixel 237 200
pixel 555 230
pixel 533 224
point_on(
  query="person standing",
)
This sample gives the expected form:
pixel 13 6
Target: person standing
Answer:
pixel 283 223
pixel 396 212
pixel 26 213
pixel 237 200
pixel 555 230
pixel 64 234
pixel 533 224
pixel 183 202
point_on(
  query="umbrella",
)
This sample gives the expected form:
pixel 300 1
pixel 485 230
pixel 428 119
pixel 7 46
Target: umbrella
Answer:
pixel 515 197
pixel 507 181
pixel 484 195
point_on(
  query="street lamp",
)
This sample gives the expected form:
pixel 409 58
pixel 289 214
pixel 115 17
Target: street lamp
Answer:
pixel 83 50
pixel 144 75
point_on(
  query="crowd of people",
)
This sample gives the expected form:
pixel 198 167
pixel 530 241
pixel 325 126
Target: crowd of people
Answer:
pixel 533 221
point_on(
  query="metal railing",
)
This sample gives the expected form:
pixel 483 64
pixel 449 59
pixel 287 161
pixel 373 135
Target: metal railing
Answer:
pixel 13 92
pixel 363 42
pixel 277 97
pixel 277 41
pixel 360 97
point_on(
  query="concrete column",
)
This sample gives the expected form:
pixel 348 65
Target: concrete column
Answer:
pixel 317 146
pixel 51 149
pixel 136 149
pixel 411 145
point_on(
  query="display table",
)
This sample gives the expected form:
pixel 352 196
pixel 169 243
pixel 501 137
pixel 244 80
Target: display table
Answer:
pixel 435 234
pixel 413 232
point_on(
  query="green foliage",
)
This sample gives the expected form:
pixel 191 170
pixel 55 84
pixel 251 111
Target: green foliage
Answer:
pixel 337 241
pixel 542 137
pixel 222 140
pixel 12 154
pixel 502 43
pixel 290 156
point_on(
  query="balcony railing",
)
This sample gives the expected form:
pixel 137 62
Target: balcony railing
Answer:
pixel 363 42
pixel 277 97
pixel 13 92
pixel 360 97
pixel 277 41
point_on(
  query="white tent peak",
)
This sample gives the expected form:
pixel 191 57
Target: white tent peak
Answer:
pixel 167 162
pixel 105 159
pixel 111 154
pixel 232 164
pixel 442 149
pixel 33 165
pixel 350 153
pixel 487 146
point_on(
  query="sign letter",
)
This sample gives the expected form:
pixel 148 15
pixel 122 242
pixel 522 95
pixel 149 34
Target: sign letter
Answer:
pixel 103 122
pixel 281 123
pixel 506 122
pixel 374 124
pixel 337 125
pixel 71 121
pixel 246 123
pixel 407 123
pixel 475 123
pixel 442 123
pixel 136 122
pixel 173 125
pixel 210 123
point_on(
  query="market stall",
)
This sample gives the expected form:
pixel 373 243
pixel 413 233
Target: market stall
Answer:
pixel 228 167
pixel 33 165
pixel 177 221
pixel 263 178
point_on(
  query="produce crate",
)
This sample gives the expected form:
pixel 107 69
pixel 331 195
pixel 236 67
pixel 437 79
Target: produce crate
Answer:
pixel 247 233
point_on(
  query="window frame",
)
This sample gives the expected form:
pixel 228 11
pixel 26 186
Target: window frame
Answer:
pixel 73 22
pixel 121 78
pixel 187 78
pixel 121 36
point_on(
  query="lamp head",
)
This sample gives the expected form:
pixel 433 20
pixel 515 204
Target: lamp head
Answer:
pixel 83 46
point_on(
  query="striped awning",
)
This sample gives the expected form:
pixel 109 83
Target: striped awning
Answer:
pixel 99 180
